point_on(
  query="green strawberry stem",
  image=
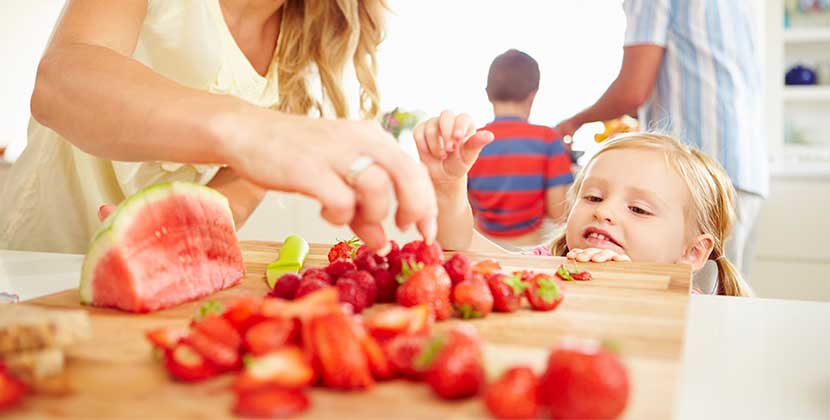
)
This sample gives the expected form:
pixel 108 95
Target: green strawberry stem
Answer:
pixel 429 353
pixel 516 283
pixel 408 269
pixel 548 290
pixel 210 307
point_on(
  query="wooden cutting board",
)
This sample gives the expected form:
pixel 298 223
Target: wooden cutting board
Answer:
pixel 640 306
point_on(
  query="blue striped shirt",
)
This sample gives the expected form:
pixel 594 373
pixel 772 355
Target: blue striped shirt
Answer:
pixel 708 90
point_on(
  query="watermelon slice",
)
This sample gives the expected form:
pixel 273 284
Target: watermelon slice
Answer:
pixel 167 244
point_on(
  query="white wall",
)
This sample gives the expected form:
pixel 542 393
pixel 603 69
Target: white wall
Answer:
pixel 25 26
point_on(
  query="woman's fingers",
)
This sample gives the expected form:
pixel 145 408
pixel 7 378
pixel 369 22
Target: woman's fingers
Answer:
pixel 372 187
pixel 372 234
pixel 105 211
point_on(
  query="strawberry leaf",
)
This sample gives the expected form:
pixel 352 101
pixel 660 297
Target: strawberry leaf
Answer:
pixel 210 307
pixel 407 269
pixel 516 283
pixel 548 290
pixel 564 274
pixel 429 353
pixel 612 345
pixel 467 312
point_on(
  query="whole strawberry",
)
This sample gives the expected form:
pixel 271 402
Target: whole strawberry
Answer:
pixel 357 288
pixel 429 285
pixel 584 380
pixel 386 284
pixel 453 363
pixel 514 395
pixel 310 284
pixel 472 298
pixel 393 258
pixel 459 268
pixel 507 290
pixel 368 260
pixel 419 252
pixel 318 273
pixel 340 267
pixel 572 275
pixel 402 351
pixel 344 250
pixel 544 292
pixel 286 286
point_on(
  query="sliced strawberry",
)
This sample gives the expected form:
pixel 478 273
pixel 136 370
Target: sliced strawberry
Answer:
pixel 342 361
pixel 12 389
pixel 380 366
pixel 287 367
pixel 220 330
pixel 271 402
pixel 270 335
pixel 243 313
pixel 165 338
pixel 385 324
pixel 215 352
pixel 185 364
pixel 402 352
pixel 567 274
pixel 320 301
pixel 514 395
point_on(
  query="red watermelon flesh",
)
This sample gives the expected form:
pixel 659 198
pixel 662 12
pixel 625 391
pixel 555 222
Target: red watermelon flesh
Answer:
pixel 165 245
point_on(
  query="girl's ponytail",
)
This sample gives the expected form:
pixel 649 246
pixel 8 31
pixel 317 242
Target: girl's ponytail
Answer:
pixel 730 282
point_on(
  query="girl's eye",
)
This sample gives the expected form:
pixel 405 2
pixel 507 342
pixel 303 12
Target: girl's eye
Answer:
pixel 639 210
pixel 593 198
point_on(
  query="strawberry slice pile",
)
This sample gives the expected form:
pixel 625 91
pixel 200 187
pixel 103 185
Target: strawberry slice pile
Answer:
pixel 308 331
pixel 278 348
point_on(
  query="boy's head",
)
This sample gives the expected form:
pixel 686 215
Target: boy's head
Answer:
pixel 513 77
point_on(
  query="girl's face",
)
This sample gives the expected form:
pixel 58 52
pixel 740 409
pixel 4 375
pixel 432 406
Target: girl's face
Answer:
pixel 634 203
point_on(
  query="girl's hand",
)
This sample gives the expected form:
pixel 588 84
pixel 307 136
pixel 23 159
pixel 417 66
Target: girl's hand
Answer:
pixel 315 157
pixel 595 255
pixel 448 146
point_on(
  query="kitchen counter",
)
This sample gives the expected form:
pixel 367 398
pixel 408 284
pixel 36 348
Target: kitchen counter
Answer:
pixel 743 358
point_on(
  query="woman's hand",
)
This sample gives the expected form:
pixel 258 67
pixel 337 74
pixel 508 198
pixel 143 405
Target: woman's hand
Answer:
pixel 595 255
pixel 315 157
pixel 448 146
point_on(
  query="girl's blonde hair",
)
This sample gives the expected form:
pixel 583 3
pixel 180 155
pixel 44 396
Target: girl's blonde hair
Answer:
pixel 328 34
pixel 713 198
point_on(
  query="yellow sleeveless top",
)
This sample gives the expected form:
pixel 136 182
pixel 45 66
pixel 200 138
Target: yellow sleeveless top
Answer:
pixel 53 191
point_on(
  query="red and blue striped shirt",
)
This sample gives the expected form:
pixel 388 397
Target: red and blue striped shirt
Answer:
pixel 507 184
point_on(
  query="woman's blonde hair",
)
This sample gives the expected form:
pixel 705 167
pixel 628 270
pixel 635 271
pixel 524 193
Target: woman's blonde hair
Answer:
pixel 713 198
pixel 327 35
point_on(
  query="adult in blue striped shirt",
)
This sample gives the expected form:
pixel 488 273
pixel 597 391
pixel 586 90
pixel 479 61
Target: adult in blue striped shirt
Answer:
pixel 691 69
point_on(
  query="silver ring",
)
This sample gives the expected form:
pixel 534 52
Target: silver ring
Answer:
pixel 357 167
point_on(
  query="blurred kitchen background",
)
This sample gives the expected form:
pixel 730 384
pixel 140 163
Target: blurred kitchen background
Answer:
pixel 578 45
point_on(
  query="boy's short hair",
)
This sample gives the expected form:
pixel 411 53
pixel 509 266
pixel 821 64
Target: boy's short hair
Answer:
pixel 513 76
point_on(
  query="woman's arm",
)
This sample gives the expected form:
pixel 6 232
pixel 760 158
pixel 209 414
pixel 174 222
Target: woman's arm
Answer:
pixel 91 91
pixel 243 196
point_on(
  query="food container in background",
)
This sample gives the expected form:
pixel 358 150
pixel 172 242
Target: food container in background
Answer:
pixel 801 75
